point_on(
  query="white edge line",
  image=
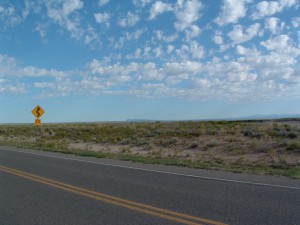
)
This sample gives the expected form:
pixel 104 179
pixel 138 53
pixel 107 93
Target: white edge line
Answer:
pixel 156 171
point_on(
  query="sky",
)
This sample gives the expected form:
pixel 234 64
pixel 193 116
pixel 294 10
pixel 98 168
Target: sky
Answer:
pixel 113 60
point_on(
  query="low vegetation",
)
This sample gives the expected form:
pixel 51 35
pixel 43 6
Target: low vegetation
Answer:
pixel 262 147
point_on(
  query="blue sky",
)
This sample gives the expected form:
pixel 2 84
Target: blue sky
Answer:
pixel 108 60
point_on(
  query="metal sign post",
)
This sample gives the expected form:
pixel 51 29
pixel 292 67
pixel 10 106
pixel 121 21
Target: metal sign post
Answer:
pixel 37 136
pixel 37 112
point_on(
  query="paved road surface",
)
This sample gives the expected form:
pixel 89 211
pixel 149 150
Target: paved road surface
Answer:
pixel 49 188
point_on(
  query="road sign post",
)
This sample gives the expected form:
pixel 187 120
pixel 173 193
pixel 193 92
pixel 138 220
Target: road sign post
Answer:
pixel 37 112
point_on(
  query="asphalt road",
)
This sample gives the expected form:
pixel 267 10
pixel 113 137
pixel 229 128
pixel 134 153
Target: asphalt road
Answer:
pixel 49 188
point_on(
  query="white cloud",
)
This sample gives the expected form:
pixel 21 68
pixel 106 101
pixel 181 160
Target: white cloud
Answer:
pixel 273 24
pixel 119 43
pixel 65 14
pixel 252 75
pixel 186 12
pixel 232 11
pixel 171 62
pixel 13 89
pixel 296 22
pixel 42 29
pixel 241 50
pixel 282 44
pixel 130 20
pixel 268 8
pixel 238 35
pixel 9 15
pixel 134 35
pixel 7 65
pixel 192 32
pixel 274 70
pixel 91 37
pixel 147 51
pixel 197 51
pixel 162 37
pixel 170 49
pixel 218 38
pixel 158 51
pixel 102 18
pixel 158 8
pixel 141 3
pixel 278 43
pixel 103 2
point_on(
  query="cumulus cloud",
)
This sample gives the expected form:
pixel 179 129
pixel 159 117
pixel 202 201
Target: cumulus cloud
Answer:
pixel 273 24
pixel 130 20
pixel 239 35
pixel 9 15
pixel 102 18
pixel 192 31
pixel 162 37
pixel 296 22
pixel 103 2
pixel 268 8
pixel 278 43
pixel 218 38
pixel 134 35
pixel 274 68
pixel 158 8
pixel 91 37
pixel 282 44
pixel 65 14
pixel 197 51
pixel 158 51
pixel 187 12
pixel 252 75
pixel 141 3
pixel 13 89
pixel 232 11
pixel 170 49
pixel 169 62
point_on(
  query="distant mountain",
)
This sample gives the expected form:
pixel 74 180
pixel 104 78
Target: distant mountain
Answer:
pixel 140 120
pixel 274 116
pixel 252 117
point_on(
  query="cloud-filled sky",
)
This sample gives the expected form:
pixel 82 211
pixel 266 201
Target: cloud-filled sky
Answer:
pixel 104 60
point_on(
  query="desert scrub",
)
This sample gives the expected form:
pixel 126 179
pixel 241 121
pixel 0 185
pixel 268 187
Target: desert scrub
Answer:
pixel 156 152
pixel 143 142
pixel 292 135
pixel 167 142
pixel 253 133
pixel 213 143
pixel 221 138
pixel 194 145
pixel 234 150
pixel 272 153
pixel 125 150
pixel 295 147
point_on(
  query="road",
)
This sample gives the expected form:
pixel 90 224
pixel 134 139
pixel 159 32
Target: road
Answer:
pixel 50 188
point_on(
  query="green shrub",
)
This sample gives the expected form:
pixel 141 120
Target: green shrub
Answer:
pixel 194 145
pixel 168 142
pixel 252 134
pixel 143 142
pixel 292 135
pixel 295 146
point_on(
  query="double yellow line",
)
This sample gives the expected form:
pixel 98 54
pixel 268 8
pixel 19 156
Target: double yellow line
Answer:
pixel 143 208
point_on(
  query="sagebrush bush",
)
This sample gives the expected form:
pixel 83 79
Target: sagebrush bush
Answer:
pixel 295 146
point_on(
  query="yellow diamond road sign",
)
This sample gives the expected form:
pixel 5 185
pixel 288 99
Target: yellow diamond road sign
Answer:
pixel 38 111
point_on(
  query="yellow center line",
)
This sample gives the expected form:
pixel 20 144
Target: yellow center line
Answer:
pixel 158 212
